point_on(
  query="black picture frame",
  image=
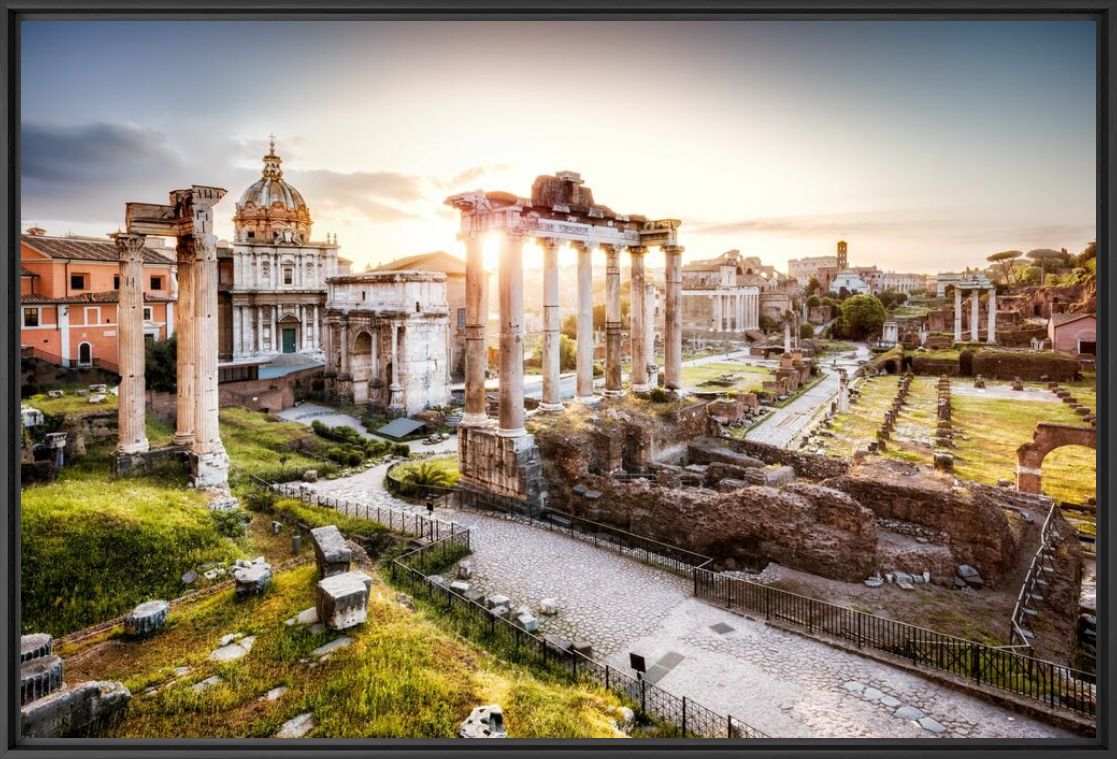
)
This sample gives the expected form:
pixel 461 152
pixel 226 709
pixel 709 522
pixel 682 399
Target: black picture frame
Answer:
pixel 16 10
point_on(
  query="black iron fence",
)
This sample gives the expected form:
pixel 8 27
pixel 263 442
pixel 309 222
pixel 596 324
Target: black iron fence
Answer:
pixel 675 716
pixel 1045 681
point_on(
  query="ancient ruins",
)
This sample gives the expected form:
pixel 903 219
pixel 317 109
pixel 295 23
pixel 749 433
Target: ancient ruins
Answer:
pixel 503 460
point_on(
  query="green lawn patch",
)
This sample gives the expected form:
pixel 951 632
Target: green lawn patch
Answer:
pixel 70 403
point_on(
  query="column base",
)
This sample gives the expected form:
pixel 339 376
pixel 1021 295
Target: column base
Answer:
pixel 641 388
pixel 476 420
pixel 140 446
pixel 184 439
pixel 552 408
pixel 506 467
pixel 518 432
pixel 210 470
pixel 587 400
pixel 608 393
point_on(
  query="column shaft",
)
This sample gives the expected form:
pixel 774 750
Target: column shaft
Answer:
pixel 132 430
pixel 612 320
pixel 957 314
pixel 992 328
pixel 673 324
pixel 187 336
pixel 551 334
pixel 207 437
pixel 975 314
pixel 511 336
pixel 475 319
pixel 584 354
pixel 637 313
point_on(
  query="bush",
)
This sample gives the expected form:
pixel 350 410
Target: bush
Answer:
pixel 231 523
pixel 401 449
pixel 417 478
pixel 660 395
pixel 372 535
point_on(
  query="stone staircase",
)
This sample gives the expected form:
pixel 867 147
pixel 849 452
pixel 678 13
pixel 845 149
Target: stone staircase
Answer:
pixel 49 708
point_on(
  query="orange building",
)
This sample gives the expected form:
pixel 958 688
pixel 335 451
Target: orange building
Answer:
pixel 69 289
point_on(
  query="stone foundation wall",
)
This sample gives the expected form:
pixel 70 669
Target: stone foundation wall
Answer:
pixel 934 366
pixel 130 464
pixel 980 531
pixel 811 466
pixel 1029 365
pixel 509 467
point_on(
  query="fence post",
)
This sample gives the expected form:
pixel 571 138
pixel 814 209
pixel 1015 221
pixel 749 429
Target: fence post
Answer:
pixel 606 677
pixel 684 716
pixel 643 697
pixel 975 663
pixel 860 636
pixel 767 602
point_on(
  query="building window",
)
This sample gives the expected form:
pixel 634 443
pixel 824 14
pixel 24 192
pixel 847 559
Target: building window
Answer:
pixel 31 317
pixel 288 275
pixel 116 281
pixel 77 281
pixel 148 314
pixel 156 283
pixel 461 318
pixel 92 314
pixel 251 235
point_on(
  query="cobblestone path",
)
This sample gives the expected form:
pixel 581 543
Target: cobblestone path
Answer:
pixel 784 684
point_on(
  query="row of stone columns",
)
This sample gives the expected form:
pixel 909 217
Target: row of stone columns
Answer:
pixel 975 318
pixel 732 312
pixel 511 328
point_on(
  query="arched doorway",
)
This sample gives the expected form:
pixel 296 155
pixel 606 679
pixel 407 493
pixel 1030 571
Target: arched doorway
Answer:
pixel 1047 437
pixel 85 354
pixel 360 365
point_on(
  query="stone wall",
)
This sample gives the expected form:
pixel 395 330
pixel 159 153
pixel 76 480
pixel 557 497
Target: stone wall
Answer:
pixel 936 366
pixel 811 466
pixel 803 526
pixel 1028 365
pixel 981 533
pixel 506 466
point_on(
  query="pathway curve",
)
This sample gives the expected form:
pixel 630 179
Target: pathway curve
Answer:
pixel 784 684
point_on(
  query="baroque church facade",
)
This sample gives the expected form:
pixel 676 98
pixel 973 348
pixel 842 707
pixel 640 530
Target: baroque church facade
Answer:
pixel 273 277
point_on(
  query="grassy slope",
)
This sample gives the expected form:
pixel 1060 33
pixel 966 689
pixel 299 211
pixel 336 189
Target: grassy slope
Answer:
pixel 750 379
pixel 402 677
pixel 70 403
pixel 255 442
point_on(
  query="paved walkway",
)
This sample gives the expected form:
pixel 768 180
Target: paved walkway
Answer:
pixel 308 413
pixel 784 684
pixel 785 426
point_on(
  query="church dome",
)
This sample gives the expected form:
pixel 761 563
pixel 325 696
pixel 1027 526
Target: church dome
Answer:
pixel 270 208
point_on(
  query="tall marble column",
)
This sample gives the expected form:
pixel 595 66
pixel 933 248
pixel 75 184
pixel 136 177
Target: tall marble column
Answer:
pixel 343 341
pixel 395 389
pixel 131 424
pixel 475 320
pixel 187 338
pixel 957 314
pixel 511 336
pixel 717 313
pixel 212 463
pixel 637 314
pixel 991 338
pixel 613 320
pixel 275 346
pixel 673 324
pixel 649 333
pixel 975 314
pixel 551 335
pixel 584 364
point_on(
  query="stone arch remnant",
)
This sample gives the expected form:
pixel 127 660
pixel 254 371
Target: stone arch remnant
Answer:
pixel 1047 437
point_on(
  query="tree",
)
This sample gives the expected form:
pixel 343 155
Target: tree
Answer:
pixel 1006 262
pixel 806 331
pixel 1089 254
pixel 568 353
pixel 862 315
pixel 813 286
pixel 570 326
pixel 843 292
pixel 161 364
pixel 814 301
pixel 890 298
pixel 767 323
pixel 1045 258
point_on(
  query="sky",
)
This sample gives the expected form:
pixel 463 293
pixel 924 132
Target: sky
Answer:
pixel 927 145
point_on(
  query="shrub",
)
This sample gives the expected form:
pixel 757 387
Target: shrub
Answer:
pixel 417 478
pixel 401 449
pixel 373 535
pixel 231 523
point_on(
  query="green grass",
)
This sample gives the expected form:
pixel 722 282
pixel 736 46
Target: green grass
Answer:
pixel 749 378
pixel 257 442
pixel 991 431
pixel 70 403
pixel 293 510
pixel 92 549
pixel 403 676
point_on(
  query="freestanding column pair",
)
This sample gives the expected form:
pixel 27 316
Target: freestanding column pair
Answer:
pixel 132 432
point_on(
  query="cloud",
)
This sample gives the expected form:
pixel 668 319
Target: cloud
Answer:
pixel 470 175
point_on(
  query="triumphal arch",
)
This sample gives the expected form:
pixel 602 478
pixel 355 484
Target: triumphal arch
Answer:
pixel 499 456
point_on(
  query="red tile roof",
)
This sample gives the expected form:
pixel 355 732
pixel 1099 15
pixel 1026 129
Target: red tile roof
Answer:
pixel 86 249
pixel 105 296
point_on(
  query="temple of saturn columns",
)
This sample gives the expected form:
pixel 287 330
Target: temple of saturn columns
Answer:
pixel 189 218
pixel 499 456
pixel 975 285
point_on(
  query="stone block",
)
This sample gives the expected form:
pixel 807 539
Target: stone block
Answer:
pixel 296 727
pixel 582 647
pixel 778 476
pixel 342 600
pixel 331 552
pixel 464 569
pixel 497 600
pixel 461 587
pixel 146 619
pixel 34 645
pixel 528 622
pixel 484 722
pixel 253 579
pixel 73 710
pixel 548 607
pixel 310 475
pixel 38 677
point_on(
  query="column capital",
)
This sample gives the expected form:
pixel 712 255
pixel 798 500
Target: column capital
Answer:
pixel 549 242
pixel 129 247
pixel 673 249
pixel 586 245
pixel 637 250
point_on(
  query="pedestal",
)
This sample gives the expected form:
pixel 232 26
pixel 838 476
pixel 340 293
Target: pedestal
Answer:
pixel 507 467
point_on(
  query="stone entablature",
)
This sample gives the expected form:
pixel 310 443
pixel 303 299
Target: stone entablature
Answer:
pixel 387 340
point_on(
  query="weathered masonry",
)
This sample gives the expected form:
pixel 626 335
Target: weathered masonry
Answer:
pixel 561 209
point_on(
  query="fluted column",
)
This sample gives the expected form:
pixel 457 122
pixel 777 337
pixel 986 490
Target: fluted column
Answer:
pixel 637 314
pixel 184 418
pixel 207 436
pixel 132 431
pixel 957 314
pixel 975 314
pixel 673 324
pixel 649 333
pixel 992 329
pixel 511 336
pixel 551 335
pixel 475 319
pixel 612 320
pixel 584 355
